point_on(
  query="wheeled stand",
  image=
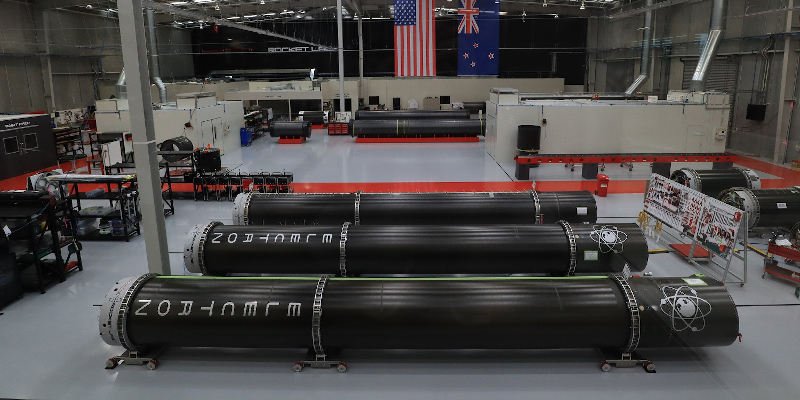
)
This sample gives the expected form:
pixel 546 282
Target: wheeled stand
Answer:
pixel 133 358
pixel 319 361
pixel 625 360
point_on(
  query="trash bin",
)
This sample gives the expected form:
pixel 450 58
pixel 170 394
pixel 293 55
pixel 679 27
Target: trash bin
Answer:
pixel 602 185
pixel 246 135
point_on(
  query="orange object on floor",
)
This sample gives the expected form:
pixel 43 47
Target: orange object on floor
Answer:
pixel 684 249
pixel 291 140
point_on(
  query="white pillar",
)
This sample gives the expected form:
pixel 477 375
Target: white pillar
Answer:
pixel 134 56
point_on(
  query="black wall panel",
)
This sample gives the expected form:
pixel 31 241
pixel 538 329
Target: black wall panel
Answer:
pixel 526 47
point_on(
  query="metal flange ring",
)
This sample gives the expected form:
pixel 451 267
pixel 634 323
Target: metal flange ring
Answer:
pixel 633 311
pixel 316 319
pixel 573 247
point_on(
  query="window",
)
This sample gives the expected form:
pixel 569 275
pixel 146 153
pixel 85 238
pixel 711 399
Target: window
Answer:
pixel 31 141
pixel 11 145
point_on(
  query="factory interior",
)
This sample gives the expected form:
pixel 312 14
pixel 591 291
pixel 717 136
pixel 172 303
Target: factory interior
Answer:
pixel 397 199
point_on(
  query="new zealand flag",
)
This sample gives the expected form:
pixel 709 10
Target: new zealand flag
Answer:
pixel 478 37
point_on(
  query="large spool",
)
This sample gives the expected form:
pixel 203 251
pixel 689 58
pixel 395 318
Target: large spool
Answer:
pixel 179 143
pixel 477 208
pixel 712 182
pixel 348 250
pixel 291 129
pixel 412 114
pixel 416 128
pixel 412 313
pixel 773 208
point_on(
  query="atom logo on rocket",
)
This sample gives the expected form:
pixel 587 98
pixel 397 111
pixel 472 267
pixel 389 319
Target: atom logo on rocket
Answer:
pixel 685 308
pixel 609 238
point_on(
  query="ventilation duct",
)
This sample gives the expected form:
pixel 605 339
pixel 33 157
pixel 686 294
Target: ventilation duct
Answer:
pixel 155 75
pixel 710 49
pixel 647 36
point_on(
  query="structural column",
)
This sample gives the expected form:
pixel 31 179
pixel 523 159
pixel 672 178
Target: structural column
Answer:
pixel 788 77
pixel 134 56
pixel 360 55
pixel 341 54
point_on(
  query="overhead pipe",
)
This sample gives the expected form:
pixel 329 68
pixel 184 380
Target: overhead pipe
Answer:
pixel 353 250
pixel 155 74
pixel 121 85
pixel 644 68
pixel 712 43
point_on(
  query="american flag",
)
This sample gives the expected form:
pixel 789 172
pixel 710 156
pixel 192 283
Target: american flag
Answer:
pixel 414 38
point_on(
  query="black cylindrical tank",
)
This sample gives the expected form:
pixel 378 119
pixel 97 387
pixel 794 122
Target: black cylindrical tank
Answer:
pixel 418 313
pixel 476 208
pixel 528 139
pixel 412 114
pixel 291 129
pixel 561 249
pixel 315 117
pixel 475 107
pixel 775 208
pixel 392 128
pixel 712 182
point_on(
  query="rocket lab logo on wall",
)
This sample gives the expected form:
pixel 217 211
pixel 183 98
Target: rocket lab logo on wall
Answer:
pixel 685 308
pixel 609 238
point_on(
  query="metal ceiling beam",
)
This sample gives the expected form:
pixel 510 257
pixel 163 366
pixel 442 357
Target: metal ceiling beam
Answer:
pixel 47 4
pixel 643 9
pixel 165 8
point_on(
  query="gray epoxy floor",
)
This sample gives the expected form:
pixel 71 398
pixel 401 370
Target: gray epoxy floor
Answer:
pixel 50 348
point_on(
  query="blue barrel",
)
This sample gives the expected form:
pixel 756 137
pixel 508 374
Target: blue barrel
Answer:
pixel 246 135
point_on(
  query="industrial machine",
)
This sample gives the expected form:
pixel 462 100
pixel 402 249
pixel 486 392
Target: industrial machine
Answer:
pixel 412 114
pixel 712 182
pixel 695 123
pixel 476 208
pixel 199 116
pixel 773 208
pixel 346 249
pixel 148 313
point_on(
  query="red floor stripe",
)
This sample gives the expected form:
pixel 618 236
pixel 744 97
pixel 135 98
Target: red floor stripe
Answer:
pixel 789 176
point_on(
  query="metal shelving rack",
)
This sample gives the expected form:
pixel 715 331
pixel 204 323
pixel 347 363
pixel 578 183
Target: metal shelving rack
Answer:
pixel 120 192
pixel 69 145
pixel 33 226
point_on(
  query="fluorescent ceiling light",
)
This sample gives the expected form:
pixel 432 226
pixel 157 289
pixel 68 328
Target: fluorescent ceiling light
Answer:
pixel 251 16
pixel 233 18
pixel 178 3
pixel 203 1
